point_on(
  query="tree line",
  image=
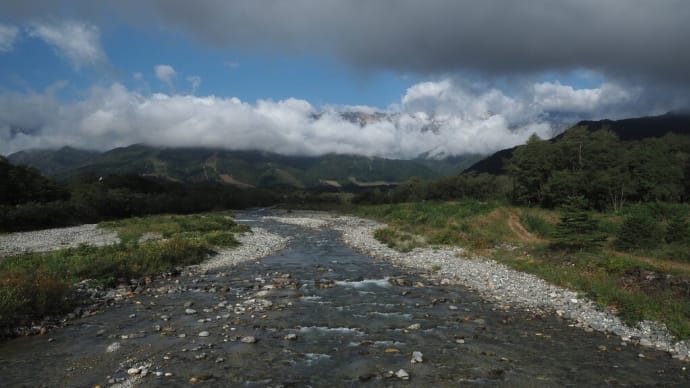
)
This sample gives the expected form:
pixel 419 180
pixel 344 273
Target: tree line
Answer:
pixel 29 200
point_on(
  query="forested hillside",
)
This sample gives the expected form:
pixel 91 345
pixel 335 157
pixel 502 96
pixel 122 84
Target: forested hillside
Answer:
pixel 235 168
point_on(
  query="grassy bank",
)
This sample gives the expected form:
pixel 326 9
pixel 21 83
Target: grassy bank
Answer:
pixel 641 284
pixel 39 284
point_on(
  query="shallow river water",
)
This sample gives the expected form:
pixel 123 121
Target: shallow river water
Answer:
pixel 319 314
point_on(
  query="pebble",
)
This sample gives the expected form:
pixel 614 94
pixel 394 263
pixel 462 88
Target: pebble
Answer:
pixel 402 374
pixel 190 311
pixel 114 347
pixel 204 334
pixel 417 357
pixel 248 339
pixel 414 326
pixel 133 371
pixel 290 337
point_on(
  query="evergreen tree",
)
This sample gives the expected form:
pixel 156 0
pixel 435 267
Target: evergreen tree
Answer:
pixel 576 229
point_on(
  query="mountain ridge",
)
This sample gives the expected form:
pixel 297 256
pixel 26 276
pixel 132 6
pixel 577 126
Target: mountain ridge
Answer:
pixel 237 168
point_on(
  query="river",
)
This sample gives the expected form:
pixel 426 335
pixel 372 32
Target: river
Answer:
pixel 318 313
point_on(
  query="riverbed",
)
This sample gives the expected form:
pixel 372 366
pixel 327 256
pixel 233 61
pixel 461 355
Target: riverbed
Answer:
pixel 320 311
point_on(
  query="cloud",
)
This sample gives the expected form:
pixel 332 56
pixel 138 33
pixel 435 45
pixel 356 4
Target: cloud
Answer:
pixel 165 73
pixel 195 82
pixel 138 76
pixel 77 42
pixel 645 39
pixel 8 34
pixel 442 117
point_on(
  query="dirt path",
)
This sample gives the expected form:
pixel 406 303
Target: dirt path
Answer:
pixel 519 230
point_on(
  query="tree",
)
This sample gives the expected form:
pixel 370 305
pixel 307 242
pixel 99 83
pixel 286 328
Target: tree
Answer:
pixel 530 168
pixel 576 229
pixel 639 230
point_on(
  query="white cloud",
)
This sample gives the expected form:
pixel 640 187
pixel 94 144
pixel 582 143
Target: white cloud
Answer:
pixel 138 76
pixel 554 96
pixel 195 82
pixel 165 73
pixel 441 117
pixel 77 42
pixel 8 34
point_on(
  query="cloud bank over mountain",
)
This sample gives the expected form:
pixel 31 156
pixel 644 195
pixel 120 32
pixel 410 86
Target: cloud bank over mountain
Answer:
pixel 443 117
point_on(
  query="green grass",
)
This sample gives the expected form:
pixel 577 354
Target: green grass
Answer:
pixel 39 284
pixel 167 226
pixel 418 224
pixel 537 224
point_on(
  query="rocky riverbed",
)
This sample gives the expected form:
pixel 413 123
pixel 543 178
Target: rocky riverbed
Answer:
pixel 496 282
pixel 53 239
pixel 316 312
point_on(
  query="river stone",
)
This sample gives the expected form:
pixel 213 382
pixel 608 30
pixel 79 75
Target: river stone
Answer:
pixel 416 357
pixel 115 346
pixel 248 339
pixel 204 334
pixel 190 311
pixel 290 337
pixel 133 371
pixel 402 374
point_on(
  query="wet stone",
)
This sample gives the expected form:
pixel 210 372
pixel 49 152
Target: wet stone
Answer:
pixel 402 374
pixel 248 340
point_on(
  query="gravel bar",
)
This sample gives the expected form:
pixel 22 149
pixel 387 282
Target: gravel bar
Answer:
pixel 494 281
pixel 254 245
pixel 54 239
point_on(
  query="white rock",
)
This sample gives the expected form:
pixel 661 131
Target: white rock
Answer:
pixel 248 339
pixel 114 347
pixel 417 357
pixel 402 374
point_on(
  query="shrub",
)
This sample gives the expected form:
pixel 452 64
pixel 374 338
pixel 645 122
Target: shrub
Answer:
pixel 639 230
pixel 678 229
pixel 576 228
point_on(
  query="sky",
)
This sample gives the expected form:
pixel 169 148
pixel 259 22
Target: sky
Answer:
pixel 436 77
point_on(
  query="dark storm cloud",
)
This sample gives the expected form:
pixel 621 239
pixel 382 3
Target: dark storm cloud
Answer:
pixel 627 38
pixel 622 38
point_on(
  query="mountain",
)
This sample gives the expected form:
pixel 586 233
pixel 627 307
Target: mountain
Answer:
pixel 52 162
pixel 238 168
pixel 626 129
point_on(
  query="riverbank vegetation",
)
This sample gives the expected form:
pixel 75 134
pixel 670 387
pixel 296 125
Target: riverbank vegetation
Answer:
pixel 35 285
pixel 585 250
